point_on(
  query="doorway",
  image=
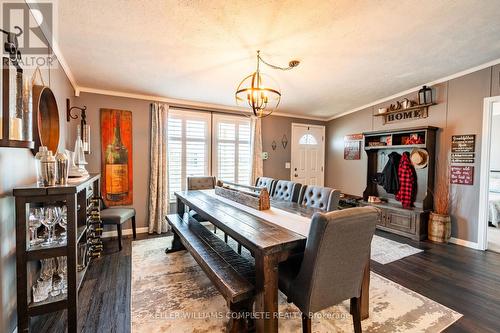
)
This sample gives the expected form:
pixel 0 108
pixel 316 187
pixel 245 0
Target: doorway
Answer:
pixel 308 154
pixel 489 201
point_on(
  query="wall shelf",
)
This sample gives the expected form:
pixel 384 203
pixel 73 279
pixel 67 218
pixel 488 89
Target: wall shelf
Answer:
pixel 16 144
pixel 413 112
pixel 417 107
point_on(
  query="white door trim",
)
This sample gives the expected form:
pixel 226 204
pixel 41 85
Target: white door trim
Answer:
pixel 482 238
pixel 323 131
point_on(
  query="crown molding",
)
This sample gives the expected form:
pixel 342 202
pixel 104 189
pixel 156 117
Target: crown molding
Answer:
pixel 408 91
pixel 188 103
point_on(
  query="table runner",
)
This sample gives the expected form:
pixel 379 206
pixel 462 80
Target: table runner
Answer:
pixel 290 221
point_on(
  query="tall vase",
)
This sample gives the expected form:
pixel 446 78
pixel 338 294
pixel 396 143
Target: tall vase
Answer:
pixel 439 229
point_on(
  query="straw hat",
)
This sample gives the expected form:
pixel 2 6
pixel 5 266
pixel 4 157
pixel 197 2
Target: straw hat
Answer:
pixel 419 158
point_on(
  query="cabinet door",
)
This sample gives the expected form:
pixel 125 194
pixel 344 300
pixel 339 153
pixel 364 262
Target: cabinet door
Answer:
pixel 401 221
pixel 383 218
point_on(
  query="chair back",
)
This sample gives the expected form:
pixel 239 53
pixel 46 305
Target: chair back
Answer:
pixel 201 183
pixel 336 254
pixel 286 190
pixel 324 198
pixel 265 182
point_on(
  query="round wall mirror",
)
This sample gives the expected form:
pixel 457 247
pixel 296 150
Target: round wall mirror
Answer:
pixel 45 119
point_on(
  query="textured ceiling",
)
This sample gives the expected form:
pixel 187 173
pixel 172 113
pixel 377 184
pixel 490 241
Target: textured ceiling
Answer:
pixel 351 52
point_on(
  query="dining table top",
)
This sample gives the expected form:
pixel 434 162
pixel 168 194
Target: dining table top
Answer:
pixel 259 230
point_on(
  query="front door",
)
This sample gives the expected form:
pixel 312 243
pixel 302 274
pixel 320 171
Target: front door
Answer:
pixel 308 154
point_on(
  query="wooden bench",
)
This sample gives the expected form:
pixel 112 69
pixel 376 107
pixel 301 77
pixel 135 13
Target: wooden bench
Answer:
pixel 233 275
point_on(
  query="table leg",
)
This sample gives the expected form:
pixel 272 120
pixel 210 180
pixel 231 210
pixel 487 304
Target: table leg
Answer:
pixel 176 243
pixel 266 298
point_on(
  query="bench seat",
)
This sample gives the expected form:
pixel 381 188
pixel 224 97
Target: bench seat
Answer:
pixel 233 275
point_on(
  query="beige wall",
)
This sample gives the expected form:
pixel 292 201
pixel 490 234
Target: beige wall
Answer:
pixel 140 142
pixel 273 128
pixel 459 111
pixel 17 168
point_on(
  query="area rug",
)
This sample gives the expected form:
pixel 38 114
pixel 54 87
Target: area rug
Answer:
pixel 385 250
pixel 170 293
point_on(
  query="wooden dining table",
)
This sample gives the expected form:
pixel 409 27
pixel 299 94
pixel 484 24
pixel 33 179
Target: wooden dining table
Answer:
pixel 271 236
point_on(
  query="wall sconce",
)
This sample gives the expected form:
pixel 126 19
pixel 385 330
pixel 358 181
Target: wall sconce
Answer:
pixel 84 128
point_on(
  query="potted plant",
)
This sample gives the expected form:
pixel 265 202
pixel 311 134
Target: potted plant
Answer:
pixel 439 226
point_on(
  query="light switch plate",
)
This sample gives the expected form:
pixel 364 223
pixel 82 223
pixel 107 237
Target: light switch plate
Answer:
pixel 287 165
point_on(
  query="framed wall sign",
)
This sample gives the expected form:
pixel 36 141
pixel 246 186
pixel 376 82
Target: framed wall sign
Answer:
pixel 352 146
pixel 462 175
pixel 463 143
pixel 116 157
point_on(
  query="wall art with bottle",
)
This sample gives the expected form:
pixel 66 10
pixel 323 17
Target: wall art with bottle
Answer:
pixel 116 157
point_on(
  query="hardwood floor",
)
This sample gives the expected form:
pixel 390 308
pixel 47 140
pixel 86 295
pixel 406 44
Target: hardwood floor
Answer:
pixel 465 280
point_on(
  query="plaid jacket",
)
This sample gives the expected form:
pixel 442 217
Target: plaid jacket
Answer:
pixel 407 181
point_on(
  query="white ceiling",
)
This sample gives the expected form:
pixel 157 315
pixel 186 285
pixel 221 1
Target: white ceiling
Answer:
pixel 351 52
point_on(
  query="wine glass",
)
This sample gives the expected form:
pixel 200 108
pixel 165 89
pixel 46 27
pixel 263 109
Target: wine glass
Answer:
pixel 62 213
pixel 49 221
pixel 34 222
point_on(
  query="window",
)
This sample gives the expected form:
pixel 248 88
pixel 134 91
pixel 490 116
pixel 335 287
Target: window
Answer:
pixel 188 147
pixel 232 154
pixel 307 139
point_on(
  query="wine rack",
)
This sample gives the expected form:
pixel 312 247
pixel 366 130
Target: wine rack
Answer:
pixel 83 243
pixel 94 232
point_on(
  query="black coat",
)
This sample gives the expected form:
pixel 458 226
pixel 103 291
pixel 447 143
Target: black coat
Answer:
pixel 389 179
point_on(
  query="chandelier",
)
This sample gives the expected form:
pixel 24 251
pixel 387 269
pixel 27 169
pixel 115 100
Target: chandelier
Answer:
pixel 260 91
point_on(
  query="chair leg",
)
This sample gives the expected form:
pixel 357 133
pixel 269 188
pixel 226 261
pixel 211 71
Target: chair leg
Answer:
pixel 119 229
pixel 225 238
pixel 215 229
pixel 134 233
pixel 356 313
pixel 306 323
pixel 239 248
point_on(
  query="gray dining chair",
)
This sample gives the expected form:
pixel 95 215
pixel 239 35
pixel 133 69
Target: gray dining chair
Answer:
pixel 286 190
pixel 266 182
pixel 324 198
pixel 201 183
pixel 118 216
pixel 332 267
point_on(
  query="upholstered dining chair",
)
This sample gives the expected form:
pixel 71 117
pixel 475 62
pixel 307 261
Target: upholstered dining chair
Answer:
pixel 332 267
pixel 201 183
pixel 324 198
pixel 266 182
pixel 286 190
pixel 117 216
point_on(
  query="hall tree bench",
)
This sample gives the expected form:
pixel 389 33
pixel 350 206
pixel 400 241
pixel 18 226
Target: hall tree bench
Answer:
pixel 231 274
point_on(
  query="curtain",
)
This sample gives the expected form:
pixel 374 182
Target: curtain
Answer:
pixel 256 146
pixel 158 180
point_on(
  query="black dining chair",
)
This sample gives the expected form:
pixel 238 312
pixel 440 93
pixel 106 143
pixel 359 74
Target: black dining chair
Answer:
pixel 324 198
pixel 332 267
pixel 286 190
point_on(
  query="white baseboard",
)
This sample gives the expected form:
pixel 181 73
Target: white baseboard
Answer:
pixel 465 243
pixel 114 233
